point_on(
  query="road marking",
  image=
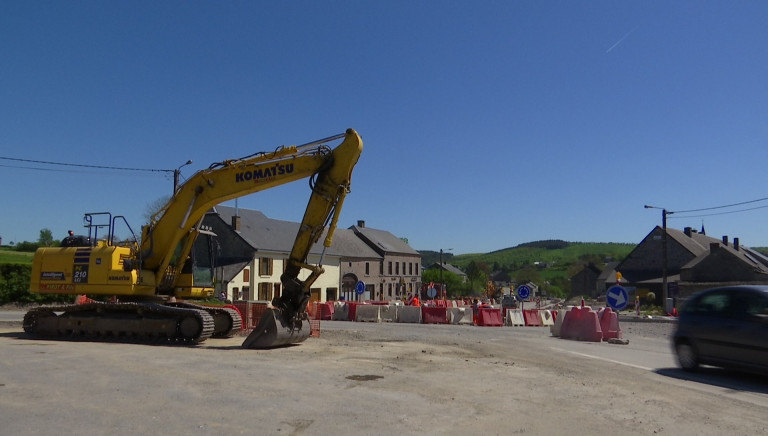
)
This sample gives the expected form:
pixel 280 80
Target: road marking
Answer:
pixel 603 359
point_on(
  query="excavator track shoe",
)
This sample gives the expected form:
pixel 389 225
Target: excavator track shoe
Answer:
pixel 273 331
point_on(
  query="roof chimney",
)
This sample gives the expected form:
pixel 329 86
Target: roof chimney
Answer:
pixel 725 240
pixel 361 223
pixel 235 223
pixel 687 231
pixel 736 244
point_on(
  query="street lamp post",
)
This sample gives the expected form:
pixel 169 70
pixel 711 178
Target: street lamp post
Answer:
pixel 176 174
pixel 664 292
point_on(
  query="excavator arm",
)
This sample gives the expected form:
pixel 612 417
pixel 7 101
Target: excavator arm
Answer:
pixel 284 324
pixel 328 193
pixel 167 240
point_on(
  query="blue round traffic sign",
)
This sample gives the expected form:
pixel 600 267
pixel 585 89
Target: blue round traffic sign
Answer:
pixel 360 287
pixel 523 292
pixel 617 297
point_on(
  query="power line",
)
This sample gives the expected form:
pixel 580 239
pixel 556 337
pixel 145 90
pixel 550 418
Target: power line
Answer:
pixel 723 207
pixel 82 165
pixel 719 213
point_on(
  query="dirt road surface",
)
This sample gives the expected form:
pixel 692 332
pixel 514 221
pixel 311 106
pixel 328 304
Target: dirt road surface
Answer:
pixel 366 379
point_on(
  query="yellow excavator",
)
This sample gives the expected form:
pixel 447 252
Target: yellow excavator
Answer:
pixel 149 284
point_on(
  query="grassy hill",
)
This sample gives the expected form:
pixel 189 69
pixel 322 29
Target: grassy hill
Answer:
pixel 8 255
pixel 547 263
pixel 551 254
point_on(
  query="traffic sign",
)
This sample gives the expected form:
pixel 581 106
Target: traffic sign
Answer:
pixel 431 292
pixel 523 292
pixel 617 297
pixel 360 287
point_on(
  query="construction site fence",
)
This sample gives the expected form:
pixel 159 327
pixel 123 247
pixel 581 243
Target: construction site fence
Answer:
pixel 573 322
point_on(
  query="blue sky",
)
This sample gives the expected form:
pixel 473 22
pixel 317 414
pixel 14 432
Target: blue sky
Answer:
pixel 486 124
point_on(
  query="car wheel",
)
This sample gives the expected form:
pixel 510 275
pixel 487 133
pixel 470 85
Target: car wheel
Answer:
pixel 687 356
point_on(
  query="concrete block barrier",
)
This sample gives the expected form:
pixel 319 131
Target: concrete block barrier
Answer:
pixel 368 313
pixel 460 315
pixel 515 317
pixel 581 324
pixel 546 318
pixel 609 323
pixel 388 313
pixel 409 314
pixel 340 311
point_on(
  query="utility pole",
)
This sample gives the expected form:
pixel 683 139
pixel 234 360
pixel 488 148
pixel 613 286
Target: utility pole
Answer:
pixel 664 258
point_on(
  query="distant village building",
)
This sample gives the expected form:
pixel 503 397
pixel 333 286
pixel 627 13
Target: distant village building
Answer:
pixel 252 250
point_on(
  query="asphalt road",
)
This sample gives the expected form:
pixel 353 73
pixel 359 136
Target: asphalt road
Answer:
pixel 383 379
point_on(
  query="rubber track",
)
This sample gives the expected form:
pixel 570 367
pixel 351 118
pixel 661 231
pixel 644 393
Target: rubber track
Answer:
pixel 235 320
pixel 102 311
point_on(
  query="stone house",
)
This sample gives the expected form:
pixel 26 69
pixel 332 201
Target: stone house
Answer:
pixel 586 282
pixel 398 272
pixel 253 250
pixel 695 261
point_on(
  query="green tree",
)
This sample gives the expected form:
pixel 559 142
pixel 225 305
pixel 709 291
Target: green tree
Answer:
pixel 528 274
pixel 26 246
pixel 46 238
pixel 477 273
pixel 453 285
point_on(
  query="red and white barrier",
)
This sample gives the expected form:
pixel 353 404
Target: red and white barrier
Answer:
pixel 546 318
pixel 460 315
pixel 515 317
pixel 609 323
pixel 581 324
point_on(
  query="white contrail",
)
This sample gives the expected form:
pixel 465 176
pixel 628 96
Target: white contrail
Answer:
pixel 621 40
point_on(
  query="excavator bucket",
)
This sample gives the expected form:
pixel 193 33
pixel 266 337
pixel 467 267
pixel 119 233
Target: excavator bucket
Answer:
pixel 274 331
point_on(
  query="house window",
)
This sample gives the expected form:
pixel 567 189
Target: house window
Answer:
pixel 397 268
pixel 410 268
pixel 264 289
pixel 389 269
pixel 265 266
pixel 367 268
pixel 331 294
pixel 246 294
pixel 246 275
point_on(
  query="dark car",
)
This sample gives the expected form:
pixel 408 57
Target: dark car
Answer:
pixel 726 327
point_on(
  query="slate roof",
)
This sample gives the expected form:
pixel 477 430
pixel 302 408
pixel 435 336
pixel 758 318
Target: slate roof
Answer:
pixel 267 234
pixel 448 267
pixel 699 245
pixel 383 241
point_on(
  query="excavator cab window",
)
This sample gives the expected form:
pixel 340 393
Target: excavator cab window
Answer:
pixel 202 260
